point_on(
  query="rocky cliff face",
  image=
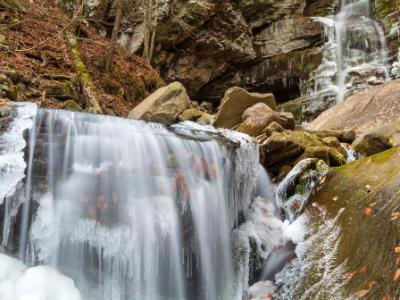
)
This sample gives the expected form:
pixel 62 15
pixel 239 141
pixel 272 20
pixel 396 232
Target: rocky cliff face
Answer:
pixel 211 45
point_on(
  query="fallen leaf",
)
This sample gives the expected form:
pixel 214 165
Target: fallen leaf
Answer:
pixel 398 261
pixel 397 249
pixel 350 275
pixel 336 198
pixel 373 204
pixel 371 283
pixel 362 293
pixel 368 211
pixel 323 179
pixel 387 297
pixel 362 269
pixel 396 275
pixel 396 214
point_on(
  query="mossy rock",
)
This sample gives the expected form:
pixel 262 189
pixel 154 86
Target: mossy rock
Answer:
pixel 329 155
pixel 382 9
pixel 297 145
pixel 72 106
pixel 378 139
pixel 354 230
pixel 372 143
pixel 295 107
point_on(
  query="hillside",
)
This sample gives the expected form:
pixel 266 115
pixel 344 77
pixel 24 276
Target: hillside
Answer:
pixel 36 63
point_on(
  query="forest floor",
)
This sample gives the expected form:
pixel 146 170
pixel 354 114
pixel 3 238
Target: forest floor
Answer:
pixel 36 63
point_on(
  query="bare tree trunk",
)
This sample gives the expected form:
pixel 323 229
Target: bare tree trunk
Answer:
pixel 114 35
pixel 150 25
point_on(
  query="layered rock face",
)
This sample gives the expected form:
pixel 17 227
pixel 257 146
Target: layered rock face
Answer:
pixel 210 46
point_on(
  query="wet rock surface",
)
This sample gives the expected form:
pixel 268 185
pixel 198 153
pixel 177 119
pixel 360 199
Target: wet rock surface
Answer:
pixel 373 107
pixel 282 150
pixel 356 216
pixel 378 139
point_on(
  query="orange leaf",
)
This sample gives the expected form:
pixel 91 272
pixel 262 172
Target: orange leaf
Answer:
pixel 371 283
pixel 396 214
pixel 350 275
pixel 387 297
pixel 397 249
pixel 398 261
pixel 396 275
pixel 368 211
pixel 362 293
pixel 362 269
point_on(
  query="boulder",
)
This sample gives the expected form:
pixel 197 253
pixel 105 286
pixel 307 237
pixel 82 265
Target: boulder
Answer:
pixel 272 127
pixel 293 106
pixel 205 119
pixel 331 141
pixel 289 147
pixel 72 105
pixel 353 227
pixel 347 136
pixel 235 102
pixel 329 155
pixel 256 110
pixel 191 114
pixel 257 117
pixel 378 139
pixel 366 110
pixel 163 106
pixel 295 190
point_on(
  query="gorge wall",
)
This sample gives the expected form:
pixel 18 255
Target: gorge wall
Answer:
pixel 210 45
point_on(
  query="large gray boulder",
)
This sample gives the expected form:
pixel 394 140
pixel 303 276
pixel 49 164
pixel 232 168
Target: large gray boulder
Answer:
pixel 163 106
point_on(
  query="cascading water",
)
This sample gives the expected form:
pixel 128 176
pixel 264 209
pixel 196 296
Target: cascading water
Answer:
pixel 128 210
pixel 362 52
pixel 354 56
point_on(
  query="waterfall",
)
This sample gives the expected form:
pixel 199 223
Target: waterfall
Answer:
pixel 354 57
pixel 362 52
pixel 127 209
